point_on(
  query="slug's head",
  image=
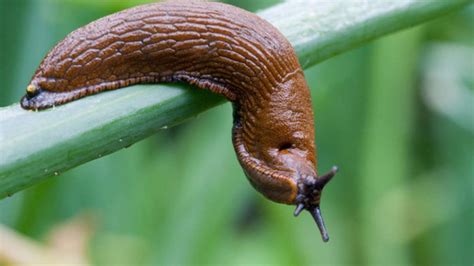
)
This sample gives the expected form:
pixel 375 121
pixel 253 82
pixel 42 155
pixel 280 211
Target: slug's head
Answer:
pixel 309 194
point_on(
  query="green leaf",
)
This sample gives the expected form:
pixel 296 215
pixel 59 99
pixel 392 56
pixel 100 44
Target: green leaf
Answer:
pixel 35 145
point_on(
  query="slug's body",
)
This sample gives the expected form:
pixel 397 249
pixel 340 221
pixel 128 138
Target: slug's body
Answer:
pixel 212 46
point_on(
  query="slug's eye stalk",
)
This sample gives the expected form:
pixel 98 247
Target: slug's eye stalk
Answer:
pixel 309 194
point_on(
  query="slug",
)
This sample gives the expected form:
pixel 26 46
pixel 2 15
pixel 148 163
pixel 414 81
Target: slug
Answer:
pixel 212 46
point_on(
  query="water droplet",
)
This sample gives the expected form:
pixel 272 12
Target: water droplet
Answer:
pixel 56 173
pixel 164 127
pixel 120 140
pixel 45 170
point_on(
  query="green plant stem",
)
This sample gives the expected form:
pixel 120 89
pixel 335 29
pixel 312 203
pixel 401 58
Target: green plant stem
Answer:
pixel 35 145
pixel 391 83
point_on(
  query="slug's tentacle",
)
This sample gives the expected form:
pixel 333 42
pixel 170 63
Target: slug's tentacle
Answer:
pixel 212 46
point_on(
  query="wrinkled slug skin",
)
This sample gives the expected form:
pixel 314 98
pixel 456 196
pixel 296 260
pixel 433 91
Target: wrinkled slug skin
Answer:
pixel 212 46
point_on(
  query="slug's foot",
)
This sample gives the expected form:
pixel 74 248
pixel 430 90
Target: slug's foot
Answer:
pixel 310 189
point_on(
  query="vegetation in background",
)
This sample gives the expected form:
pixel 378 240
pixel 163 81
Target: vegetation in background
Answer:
pixel 404 194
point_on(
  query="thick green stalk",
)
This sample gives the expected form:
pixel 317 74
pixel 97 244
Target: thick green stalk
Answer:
pixel 35 145
pixel 387 132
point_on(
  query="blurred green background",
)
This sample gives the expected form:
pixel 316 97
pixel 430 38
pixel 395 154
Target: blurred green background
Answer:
pixel 396 115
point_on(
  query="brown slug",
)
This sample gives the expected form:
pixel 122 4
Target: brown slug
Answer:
pixel 213 46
